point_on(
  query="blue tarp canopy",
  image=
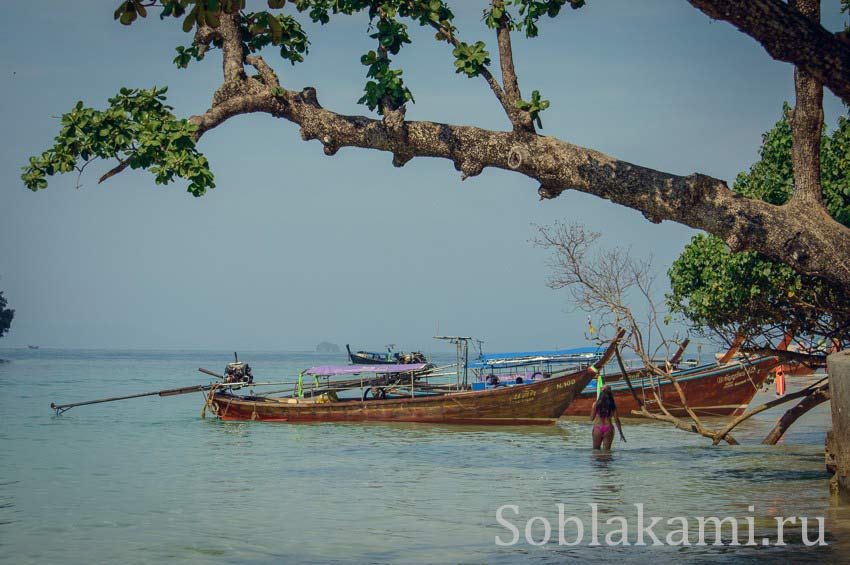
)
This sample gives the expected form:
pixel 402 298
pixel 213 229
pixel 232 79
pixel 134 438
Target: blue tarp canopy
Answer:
pixel 519 358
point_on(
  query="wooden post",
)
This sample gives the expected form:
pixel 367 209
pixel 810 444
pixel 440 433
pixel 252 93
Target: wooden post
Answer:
pixel 838 367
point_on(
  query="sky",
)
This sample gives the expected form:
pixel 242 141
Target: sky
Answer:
pixel 293 247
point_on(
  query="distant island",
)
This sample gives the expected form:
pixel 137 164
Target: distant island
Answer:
pixel 327 347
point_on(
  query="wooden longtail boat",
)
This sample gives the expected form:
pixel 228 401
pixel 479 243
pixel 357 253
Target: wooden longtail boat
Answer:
pixel 710 390
pixel 388 358
pixel 540 402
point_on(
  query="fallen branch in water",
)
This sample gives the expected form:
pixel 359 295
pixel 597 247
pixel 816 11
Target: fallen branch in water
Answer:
pixel 768 405
pixel 815 398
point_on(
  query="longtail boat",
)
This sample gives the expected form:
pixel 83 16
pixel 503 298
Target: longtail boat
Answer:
pixel 710 390
pixel 539 402
pixel 388 358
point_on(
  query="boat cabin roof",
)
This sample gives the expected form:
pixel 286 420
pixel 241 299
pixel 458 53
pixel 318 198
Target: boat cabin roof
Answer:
pixel 332 370
pixel 519 358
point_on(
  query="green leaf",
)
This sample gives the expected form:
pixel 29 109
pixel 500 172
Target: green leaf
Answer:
pixel 190 20
pixel 138 126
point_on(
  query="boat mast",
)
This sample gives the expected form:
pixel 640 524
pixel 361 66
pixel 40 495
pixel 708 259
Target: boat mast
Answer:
pixel 461 344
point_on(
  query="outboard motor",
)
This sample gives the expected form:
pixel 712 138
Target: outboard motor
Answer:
pixel 238 372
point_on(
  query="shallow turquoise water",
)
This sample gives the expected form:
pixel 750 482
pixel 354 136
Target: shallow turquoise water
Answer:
pixel 149 480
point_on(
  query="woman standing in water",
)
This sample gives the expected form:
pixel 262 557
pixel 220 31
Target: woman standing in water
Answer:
pixel 604 415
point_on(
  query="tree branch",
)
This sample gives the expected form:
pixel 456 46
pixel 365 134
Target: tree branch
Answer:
pixel 787 35
pixel 237 105
pixel 806 121
pixel 485 72
pixel 807 239
pixel 817 397
pixel 519 118
pixel 269 77
pixel 231 48
pixel 806 359
pixel 766 406
pixel 115 170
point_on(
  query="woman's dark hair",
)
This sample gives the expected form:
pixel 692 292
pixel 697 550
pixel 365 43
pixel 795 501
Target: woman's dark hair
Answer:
pixel 605 405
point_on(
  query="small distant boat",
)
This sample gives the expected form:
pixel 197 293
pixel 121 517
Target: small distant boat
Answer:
pixel 389 358
pixel 32 346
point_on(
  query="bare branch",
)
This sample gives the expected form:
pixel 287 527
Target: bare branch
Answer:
pixel 231 48
pixel 237 105
pixel 766 406
pixel 115 170
pixel 806 359
pixel 816 398
pixel 269 77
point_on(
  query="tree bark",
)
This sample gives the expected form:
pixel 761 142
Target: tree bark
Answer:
pixel 520 119
pixel 807 124
pixel 790 36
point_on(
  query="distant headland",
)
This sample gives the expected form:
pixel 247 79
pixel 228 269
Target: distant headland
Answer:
pixel 327 347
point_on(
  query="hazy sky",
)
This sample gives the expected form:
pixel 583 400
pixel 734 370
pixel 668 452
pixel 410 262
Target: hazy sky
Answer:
pixel 294 247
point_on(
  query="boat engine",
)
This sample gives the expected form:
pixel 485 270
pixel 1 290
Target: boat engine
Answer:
pixel 238 372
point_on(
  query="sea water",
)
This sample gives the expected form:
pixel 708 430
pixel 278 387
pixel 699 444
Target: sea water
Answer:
pixel 149 480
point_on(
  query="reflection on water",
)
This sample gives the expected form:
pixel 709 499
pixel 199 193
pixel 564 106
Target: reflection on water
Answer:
pixel 148 480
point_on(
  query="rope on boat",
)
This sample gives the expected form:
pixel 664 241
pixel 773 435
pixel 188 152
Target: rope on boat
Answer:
pixel 209 402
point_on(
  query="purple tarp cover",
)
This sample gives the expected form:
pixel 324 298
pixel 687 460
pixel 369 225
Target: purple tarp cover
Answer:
pixel 330 370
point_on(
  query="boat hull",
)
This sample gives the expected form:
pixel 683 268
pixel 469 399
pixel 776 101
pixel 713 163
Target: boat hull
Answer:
pixel 714 391
pixel 537 403
pixel 358 359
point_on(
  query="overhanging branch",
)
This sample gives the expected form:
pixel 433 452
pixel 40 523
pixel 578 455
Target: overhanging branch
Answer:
pixel 787 35
pixel 802 236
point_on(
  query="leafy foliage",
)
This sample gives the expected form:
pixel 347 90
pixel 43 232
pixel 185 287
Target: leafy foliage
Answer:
pixel 722 291
pixel 470 59
pixel 137 128
pixel 6 315
pixel 534 107
pixel 532 10
pixel 385 85
pixel 262 29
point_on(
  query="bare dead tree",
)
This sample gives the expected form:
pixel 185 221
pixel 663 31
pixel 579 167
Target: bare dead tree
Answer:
pixel 605 284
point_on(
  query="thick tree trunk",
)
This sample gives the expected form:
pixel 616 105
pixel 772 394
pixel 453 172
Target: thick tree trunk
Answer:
pixel 807 124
